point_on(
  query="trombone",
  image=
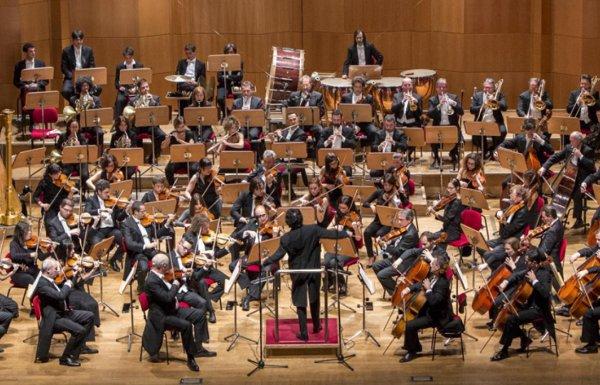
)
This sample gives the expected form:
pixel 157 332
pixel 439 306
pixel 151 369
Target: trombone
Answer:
pixel 586 97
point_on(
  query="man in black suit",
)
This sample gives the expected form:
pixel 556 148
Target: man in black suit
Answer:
pixel 578 108
pixel 292 133
pixel 525 106
pixel 193 68
pixel 361 52
pixel 390 139
pixel 30 61
pixel 578 155
pixel 552 238
pixel 445 109
pixel 306 97
pixel 9 309
pixel 250 102
pixel 407 107
pixel 146 99
pixel 303 247
pixel 57 316
pixel 529 138
pixel 124 90
pixel 264 171
pixel 367 131
pixel 59 231
pixel 164 312
pixel 451 217
pixel 76 56
pixel 482 113
pixel 244 205
pixel 338 134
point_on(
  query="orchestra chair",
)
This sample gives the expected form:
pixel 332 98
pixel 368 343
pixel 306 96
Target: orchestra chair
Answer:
pixel 255 270
pixel 209 282
pixel 36 306
pixel 13 285
pixel 43 121
pixel 550 338
pixel 473 219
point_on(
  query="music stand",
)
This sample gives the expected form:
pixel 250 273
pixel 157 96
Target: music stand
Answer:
pixel 307 116
pixel 475 199
pixel 369 71
pixel 345 156
pixel 512 160
pixel 360 113
pixel 131 76
pixel 230 191
pixel 362 192
pixel 201 116
pixel 415 137
pixel 129 157
pixel 337 247
pixel 97 117
pixel 366 283
pixel 99 250
pixel 80 155
pixel 482 129
pixel 167 206
pixel 387 215
pixel 441 135
pixel 476 240
pixel 514 124
pixel 97 74
pixel 379 160
pixel 236 160
pixel 122 188
pixel 187 153
pixel 37 74
pixel 43 100
pixel 229 283
pixel 27 159
pixel 289 151
pixel 563 125
pixel 152 117
pixel 129 282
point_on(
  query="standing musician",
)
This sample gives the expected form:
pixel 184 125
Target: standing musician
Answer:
pixel 250 102
pixel 338 134
pixel 390 139
pixel 244 205
pixel 400 249
pixel 146 99
pixel 471 173
pixel 50 191
pixel 124 91
pixel 56 314
pixel 307 97
pixel 24 251
pixel 445 109
pixel 487 106
pixel 65 230
pixel 533 105
pixel 388 195
pixel 316 198
pixel 164 310
pixel 109 170
pixel 538 305
pixel 437 311
pixel 30 61
pixel 332 178
pixel 181 135
pixel 76 56
pixel 579 156
pixel 193 68
pixel 207 185
pixel 271 174
pixel 583 104
pixel 303 247
pixel 407 107
pixel 359 96
pixel 124 136
pixel 361 52
pixel 452 207
pixel 74 137
pixel 202 134
pixel 229 83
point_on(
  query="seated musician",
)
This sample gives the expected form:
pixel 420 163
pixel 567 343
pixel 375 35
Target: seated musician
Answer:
pixel 452 207
pixel 207 185
pixel 84 100
pixel 188 216
pixel 159 185
pixel 250 102
pixel 583 104
pixel 318 199
pixel 487 106
pixel 333 177
pixel 30 61
pixel 307 97
pixel 60 231
pixel 527 99
pixel 165 311
pixel 9 309
pixel 585 186
pixel 390 139
pixel 361 52
pixel 535 147
pixel 25 254
pixel 538 305
pixel 228 84
pixel 74 137
pixel 50 192
pixel 146 99
pixel 386 196
pixel 244 205
pixel 124 136
pixel 109 170
pixel 445 109
pixel 271 174
pixel 193 68
pixel 551 238
pixel 338 134
pixel 347 219
pixel 76 56
pixel 57 315
pixel 180 135
pixel 80 299
pixel 142 241
pixel 359 96
pixel 233 140
pixel 471 173
pixel 124 91
pixel 579 158
pixel 202 134
pixel 400 249
pixel 399 168
pixel 437 310
pixel 106 223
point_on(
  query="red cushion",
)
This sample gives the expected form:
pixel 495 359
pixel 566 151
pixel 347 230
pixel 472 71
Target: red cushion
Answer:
pixel 142 136
pixel 36 306
pixel 42 134
pixel 253 268
pixel 49 115
pixel 351 262
pixel 471 218
pixel 461 242
pixel 562 251
pixel 184 305
pixel 209 281
pixel 144 302
pixel 411 187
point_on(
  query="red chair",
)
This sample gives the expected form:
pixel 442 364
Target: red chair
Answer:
pixel 209 282
pixel 13 285
pixel 45 119
pixel 471 218
pixel 36 307
pixel 562 251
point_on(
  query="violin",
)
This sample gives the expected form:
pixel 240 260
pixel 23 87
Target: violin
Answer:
pixel 538 231
pixel 116 176
pixel 167 194
pixel 509 212
pixel 221 239
pixel 45 244
pixel 402 174
pixel 75 263
pixel 393 234
pixel 349 218
pixel 445 201
pixel 149 219
pixel 473 179
pixel 266 229
pixel 341 176
pixel 205 211
pixel 113 202
pixel 64 182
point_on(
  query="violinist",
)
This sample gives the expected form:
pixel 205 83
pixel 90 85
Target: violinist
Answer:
pixel 124 136
pixel 80 299
pixel 399 252
pixel 196 207
pixel 579 156
pixel 400 170
pixel 333 177
pixel 202 134
pixel 73 137
pixel 386 196
pixel 452 207
pixel 244 205
pixel 64 230
pixel 390 139
pixel 26 256
pixel 437 311
pixel 471 173
pixel 159 185
pixel 358 95
pixel 181 135
pixel 106 220
pixel 56 314
pixel 271 174
pixel 207 185
pixel 347 220
pixel 318 199
pixel 338 134
pixel 50 192
pixel 537 306
pixel 590 331
pixel 484 112
pixel 109 170
pixel 293 133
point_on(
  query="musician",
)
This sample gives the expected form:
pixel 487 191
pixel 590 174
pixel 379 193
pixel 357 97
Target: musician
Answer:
pixel 580 157
pixel 60 232
pixel 388 195
pixel 228 83
pixel 56 314
pixel 165 311
pixel 193 68
pixel 307 97
pixel 437 311
pixel 124 91
pixel 589 331
pixel 250 102
pixel 445 109
pixel 82 101
pixel 390 139
pixel 76 56
pixel 407 105
pixel 483 111
pixel 49 192
pixel 9 309
pixel 146 99
pixel 124 136
pixel 142 241
pixel 271 174
pixel 233 140
pixel 21 254
pixel 315 197
pixel 207 186
pixel 529 143
pixel 453 208
pixel 180 135
pixel 106 221
pixel 538 305
pixel 471 173
pixel 109 170
pixel 159 185
pixel 552 237
pixel 74 137
pixel 30 61
pixel 80 299
pixel 202 134
pixel 303 247
pixel 577 104
pixel 585 185
pixel 399 168
pixel 401 249
pixel 359 96
pixel 526 105
pixel 333 177
pixel 338 134
pixel 244 205
pixel 361 52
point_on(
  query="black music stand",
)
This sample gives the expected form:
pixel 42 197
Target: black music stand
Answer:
pixel 99 250
pixel 129 282
pixel 229 283
pixel 366 283
pixel 289 151
pixel 152 117
pixel 441 135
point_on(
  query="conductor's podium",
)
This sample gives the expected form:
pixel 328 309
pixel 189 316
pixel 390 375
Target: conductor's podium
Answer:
pixel 289 345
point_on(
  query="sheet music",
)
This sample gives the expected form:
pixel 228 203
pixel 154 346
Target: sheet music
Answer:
pixel 461 277
pixel 31 288
pixel 229 283
pixel 366 280
pixel 127 281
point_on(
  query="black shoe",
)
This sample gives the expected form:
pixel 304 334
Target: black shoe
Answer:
pixel 42 360
pixel 434 165
pixel 154 359
pixel 587 349
pixel 490 325
pixel 501 355
pixel 562 311
pixel 68 361
pixel 87 350
pixel 203 352
pixel 525 342
pixel 192 365
pixel 302 336
pixel 175 335
pixel 246 303
pixel 578 224
pixel 212 317
pixel 114 265
pixel 317 329
pixel 1 350
pixel 408 357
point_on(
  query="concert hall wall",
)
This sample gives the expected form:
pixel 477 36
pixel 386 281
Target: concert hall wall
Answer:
pixel 463 40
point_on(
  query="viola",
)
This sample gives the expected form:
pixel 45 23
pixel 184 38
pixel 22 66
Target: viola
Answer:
pixel 538 231
pixel 75 263
pixel 64 182
pixel 510 211
pixel 402 175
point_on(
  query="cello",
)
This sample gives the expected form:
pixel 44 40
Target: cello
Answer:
pixel 571 290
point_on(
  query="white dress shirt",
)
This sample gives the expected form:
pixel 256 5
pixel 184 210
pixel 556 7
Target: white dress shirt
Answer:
pixel 105 220
pixel 142 229
pixel 64 224
pixel 29 64
pixel 191 68
pixel 129 66
pixel 78 63
pixel 246 102
pixel 360 49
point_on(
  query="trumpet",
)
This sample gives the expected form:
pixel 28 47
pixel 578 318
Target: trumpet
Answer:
pixel 412 101
pixel 444 100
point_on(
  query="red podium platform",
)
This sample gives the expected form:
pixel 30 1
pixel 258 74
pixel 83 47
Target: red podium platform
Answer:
pixel 288 344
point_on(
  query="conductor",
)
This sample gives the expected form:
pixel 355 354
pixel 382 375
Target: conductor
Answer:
pixel 302 244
